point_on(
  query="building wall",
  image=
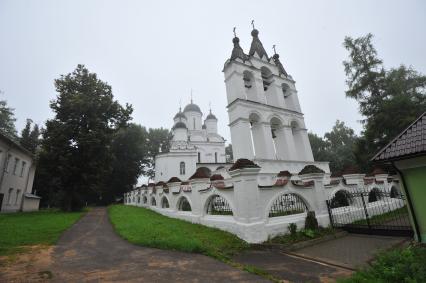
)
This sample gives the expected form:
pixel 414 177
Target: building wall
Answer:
pixel 167 165
pixel 14 183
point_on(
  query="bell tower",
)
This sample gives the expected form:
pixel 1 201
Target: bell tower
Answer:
pixel 265 117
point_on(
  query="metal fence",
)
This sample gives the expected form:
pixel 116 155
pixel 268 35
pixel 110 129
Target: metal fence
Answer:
pixel 370 211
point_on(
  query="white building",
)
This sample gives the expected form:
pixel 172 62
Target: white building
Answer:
pixel 17 169
pixel 195 144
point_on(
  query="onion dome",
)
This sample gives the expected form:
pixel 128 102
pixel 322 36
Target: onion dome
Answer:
pixel 211 116
pixel 237 51
pixel 192 107
pixel 256 45
pixel 179 125
pixel 180 115
pixel 280 66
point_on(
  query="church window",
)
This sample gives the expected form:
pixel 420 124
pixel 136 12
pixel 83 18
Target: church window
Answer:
pixel 286 90
pixel 247 78
pixel 194 122
pixel 215 157
pixel 266 77
pixel 199 157
pixel 182 168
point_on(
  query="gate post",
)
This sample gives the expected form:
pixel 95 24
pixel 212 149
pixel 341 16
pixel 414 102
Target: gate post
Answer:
pixel 329 213
pixel 366 212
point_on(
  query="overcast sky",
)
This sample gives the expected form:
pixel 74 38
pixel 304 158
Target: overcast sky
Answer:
pixel 153 53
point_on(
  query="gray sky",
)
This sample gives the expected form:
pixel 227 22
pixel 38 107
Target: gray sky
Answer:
pixel 153 53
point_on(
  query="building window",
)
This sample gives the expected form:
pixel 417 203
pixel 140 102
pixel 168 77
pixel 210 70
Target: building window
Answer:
pixel 18 192
pixel 193 119
pixel 9 196
pixel 6 167
pixel 182 168
pixel 215 157
pixel 24 164
pixel 15 166
pixel 199 157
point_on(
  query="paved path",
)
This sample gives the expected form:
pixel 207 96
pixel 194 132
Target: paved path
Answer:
pixel 92 252
pixel 352 250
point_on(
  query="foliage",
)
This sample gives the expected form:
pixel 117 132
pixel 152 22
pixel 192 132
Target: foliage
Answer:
pixel 7 120
pixel 30 138
pixel 336 147
pixel 397 265
pixel 33 228
pixel 292 228
pixel 388 99
pixel 75 158
pixel 158 140
pixel 229 153
pixel 311 222
pixel 300 236
pixel 129 153
pixel 145 227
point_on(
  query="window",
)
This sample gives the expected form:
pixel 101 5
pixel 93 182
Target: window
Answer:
pixel 193 119
pixel 215 157
pixel 18 192
pixel 182 168
pixel 23 168
pixel 9 196
pixel 199 157
pixel 15 166
pixel 6 167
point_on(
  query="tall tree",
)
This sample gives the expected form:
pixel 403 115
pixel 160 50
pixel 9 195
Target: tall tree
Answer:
pixel 337 146
pixel 7 120
pixel 388 99
pixel 75 158
pixel 129 149
pixel 158 141
pixel 30 136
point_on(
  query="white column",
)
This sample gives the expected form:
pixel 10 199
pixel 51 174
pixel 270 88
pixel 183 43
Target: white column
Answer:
pixel 289 140
pixel 308 155
pixel 241 139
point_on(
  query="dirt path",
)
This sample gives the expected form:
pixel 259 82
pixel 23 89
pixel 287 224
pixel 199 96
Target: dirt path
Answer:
pixel 92 252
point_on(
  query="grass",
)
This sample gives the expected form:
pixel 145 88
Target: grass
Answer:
pixel 300 236
pixel 144 227
pixel 18 230
pixel 385 217
pixel 399 265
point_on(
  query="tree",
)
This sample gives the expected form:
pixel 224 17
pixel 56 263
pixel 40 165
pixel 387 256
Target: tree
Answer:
pixel 158 141
pixel 337 147
pixel 75 157
pixel 129 149
pixel 229 153
pixel 7 120
pixel 30 138
pixel 388 99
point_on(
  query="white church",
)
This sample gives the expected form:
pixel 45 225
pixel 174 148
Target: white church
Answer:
pixel 274 180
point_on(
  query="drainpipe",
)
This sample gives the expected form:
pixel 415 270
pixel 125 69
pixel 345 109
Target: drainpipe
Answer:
pixel 410 204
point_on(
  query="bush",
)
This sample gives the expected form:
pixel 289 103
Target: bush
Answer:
pixel 292 228
pixel 311 222
pixel 398 265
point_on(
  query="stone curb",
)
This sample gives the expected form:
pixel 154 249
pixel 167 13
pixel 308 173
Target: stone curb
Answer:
pixel 300 245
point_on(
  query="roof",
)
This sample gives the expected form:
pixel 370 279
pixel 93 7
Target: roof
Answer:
pixel 15 144
pixel 192 107
pixel 211 116
pixel 28 195
pixel 280 66
pixel 237 51
pixel 409 143
pixel 180 115
pixel 256 45
pixel 179 125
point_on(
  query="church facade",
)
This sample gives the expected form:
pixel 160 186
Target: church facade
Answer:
pixel 195 144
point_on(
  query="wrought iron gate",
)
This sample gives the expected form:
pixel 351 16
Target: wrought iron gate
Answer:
pixel 370 211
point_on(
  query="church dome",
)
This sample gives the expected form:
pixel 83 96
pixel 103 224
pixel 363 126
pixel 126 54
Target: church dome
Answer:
pixel 211 117
pixel 179 125
pixel 180 115
pixel 192 107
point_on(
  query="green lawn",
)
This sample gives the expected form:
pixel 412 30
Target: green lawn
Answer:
pixel 147 228
pixel 399 265
pixel 18 230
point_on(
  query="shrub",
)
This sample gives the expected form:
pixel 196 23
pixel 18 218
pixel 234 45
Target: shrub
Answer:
pixel 309 233
pixel 311 222
pixel 292 228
